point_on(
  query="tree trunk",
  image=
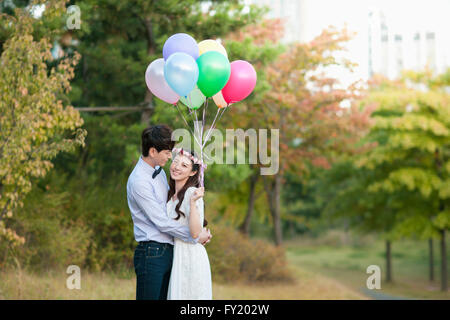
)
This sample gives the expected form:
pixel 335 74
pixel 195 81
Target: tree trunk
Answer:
pixel 245 228
pixel 273 197
pixel 430 246
pixel 276 215
pixel 292 231
pixel 85 79
pixel 388 262
pixel 148 101
pixel 444 285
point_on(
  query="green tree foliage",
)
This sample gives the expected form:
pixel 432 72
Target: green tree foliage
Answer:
pixel 118 39
pixel 35 123
pixel 304 103
pixel 411 160
pixel 400 185
pixel 89 187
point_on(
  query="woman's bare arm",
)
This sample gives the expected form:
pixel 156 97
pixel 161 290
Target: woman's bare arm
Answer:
pixel 195 225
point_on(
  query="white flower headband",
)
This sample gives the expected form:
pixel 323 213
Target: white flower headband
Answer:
pixel 190 156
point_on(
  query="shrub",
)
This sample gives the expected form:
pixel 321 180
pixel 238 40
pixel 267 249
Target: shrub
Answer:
pixel 78 221
pixel 235 257
pixel 51 240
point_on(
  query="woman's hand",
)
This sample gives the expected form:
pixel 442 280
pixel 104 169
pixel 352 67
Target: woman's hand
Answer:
pixel 195 225
pixel 198 193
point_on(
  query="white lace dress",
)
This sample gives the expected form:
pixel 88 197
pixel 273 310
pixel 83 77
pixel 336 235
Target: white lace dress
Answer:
pixel 191 273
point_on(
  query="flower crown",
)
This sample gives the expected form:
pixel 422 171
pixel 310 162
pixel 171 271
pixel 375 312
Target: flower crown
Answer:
pixel 195 160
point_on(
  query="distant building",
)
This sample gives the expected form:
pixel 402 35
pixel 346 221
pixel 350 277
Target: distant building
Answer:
pixel 389 52
pixel 293 12
pixel 390 47
pixel 431 50
pixel 398 55
pixel 418 51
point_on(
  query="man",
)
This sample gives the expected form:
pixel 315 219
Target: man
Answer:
pixel 147 190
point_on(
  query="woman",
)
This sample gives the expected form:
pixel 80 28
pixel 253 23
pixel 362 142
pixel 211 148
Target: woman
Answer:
pixel 190 278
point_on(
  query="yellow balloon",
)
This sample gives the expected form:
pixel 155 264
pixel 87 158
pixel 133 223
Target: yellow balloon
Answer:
pixel 219 100
pixel 211 45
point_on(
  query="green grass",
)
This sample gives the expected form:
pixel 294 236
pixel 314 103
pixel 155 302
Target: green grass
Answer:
pixel 348 265
pixel 324 268
pixel 16 284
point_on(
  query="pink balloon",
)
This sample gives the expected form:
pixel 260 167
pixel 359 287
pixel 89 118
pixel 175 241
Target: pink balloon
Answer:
pixel 157 84
pixel 241 83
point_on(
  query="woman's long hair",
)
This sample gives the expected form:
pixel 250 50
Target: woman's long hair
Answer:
pixel 192 181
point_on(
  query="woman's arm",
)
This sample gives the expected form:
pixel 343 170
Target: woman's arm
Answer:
pixel 195 225
pixel 143 195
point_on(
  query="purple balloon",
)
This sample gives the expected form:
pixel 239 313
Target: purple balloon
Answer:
pixel 180 42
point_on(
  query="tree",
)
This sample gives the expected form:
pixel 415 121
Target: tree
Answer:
pixel 413 130
pixel 35 123
pixel 345 187
pixel 400 186
pixel 305 105
pixel 259 44
pixel 118 39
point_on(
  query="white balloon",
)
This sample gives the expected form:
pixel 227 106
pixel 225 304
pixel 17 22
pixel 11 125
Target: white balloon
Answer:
pixel 157 84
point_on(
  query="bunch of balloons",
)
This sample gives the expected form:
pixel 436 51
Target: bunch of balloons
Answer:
pixel 192 72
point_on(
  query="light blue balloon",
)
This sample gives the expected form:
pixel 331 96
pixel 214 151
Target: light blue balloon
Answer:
pixel 181 73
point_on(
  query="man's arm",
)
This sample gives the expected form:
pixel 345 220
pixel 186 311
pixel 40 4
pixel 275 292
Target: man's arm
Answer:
pixel 144 195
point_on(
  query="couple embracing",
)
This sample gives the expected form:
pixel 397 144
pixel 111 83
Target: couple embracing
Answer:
pixel 170 259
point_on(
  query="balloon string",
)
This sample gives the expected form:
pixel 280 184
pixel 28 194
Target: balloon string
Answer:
pixel 191 112
pixel 208 134
pixel 204 112
pixel 202 169
pixel 187 125
pixel 182 116
pixel 190 108
pixel 198 128
pixel 224 109
pixel 202 174
pixel 199 131
pixel 213 127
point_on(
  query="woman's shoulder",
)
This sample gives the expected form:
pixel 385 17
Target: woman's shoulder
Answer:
pixel 189 192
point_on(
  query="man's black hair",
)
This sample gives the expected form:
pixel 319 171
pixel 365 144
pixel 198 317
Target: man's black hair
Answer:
pixel 158 137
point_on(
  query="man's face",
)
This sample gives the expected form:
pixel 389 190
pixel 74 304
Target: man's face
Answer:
pixel 160 157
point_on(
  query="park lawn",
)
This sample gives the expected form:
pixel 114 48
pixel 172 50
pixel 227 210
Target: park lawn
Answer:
pixel 348 264
pixel 52 285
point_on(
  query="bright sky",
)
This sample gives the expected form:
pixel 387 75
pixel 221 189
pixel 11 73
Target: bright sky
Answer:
pixel 403 16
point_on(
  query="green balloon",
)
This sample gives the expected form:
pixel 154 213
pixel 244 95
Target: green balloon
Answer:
pixel 194 99
pixel 214 72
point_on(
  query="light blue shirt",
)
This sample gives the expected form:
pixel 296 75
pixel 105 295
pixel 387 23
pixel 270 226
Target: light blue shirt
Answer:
pixel 147 198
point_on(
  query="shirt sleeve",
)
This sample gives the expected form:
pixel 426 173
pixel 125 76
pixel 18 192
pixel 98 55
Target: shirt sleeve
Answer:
pixel 145 198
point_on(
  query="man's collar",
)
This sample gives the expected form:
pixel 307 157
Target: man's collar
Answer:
pixel 148 168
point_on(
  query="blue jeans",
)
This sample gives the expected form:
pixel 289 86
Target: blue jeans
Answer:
pixel 152 264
